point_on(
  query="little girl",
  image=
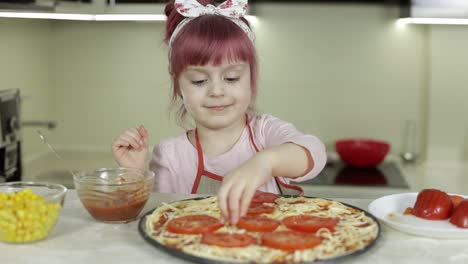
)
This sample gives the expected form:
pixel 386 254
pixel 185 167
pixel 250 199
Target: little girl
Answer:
pixel 231 150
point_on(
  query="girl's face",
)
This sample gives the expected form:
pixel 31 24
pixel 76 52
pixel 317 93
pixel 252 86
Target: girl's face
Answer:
pixel 216 96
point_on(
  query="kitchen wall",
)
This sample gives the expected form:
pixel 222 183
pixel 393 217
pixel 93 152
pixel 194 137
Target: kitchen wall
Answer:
pixel 110 76
pixel 333 70
pixel 448 96
pixel 25 63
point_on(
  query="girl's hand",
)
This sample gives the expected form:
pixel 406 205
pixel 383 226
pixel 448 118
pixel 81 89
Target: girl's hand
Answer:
pixel 239 186
pixel 130 148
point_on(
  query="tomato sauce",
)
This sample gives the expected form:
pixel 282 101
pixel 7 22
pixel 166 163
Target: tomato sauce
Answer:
pixel 113 213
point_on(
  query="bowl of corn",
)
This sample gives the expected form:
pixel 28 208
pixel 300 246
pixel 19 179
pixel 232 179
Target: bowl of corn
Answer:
pixel 29 210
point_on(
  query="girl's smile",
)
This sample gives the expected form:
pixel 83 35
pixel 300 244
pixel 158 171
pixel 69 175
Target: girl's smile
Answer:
pixel 217 108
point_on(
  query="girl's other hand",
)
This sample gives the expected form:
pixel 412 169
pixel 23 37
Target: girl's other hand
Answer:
pixel 239 186
pixel 130 148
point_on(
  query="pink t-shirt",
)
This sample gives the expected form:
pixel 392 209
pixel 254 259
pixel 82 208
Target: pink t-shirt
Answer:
pixel 175 160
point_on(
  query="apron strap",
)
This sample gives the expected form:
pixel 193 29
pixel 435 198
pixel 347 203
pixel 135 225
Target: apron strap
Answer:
pixel 251 137
pixel 201 167
pixel 212 175
pixel 289 189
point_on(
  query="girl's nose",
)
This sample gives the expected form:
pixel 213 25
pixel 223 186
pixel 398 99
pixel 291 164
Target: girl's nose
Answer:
pixel 216 89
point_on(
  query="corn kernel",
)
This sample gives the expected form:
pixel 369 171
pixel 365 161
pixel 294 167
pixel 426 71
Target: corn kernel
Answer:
pixel 26 216
pixel 28 237
pixel 21 214
pixel 3 196
pixel 42 208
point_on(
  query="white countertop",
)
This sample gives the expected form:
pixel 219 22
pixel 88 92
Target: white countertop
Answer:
pixel 78 238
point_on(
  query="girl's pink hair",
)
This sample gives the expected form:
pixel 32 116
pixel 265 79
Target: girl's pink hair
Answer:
pixel 207 39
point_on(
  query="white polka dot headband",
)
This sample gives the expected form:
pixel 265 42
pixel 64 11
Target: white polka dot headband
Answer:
pixel 231 9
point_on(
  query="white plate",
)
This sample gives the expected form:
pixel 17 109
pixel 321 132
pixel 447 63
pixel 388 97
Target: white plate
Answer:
pixel 389 209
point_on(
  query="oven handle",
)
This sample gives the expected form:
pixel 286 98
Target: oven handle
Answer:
pixel 48 123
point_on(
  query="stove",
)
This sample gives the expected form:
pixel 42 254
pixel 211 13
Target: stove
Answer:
pixel 386 175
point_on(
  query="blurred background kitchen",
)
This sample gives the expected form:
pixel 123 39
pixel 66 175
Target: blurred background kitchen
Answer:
pixel 336 69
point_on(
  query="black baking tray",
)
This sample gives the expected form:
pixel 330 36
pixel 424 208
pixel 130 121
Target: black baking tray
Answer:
pixel 196 259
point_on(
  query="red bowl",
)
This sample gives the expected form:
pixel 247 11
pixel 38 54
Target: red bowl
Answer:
pixel 362 153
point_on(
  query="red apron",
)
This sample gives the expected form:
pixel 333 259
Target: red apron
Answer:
pixel 209 183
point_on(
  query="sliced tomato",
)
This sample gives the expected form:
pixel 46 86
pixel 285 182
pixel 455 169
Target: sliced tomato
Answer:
pixel 258 223
pixel 290 240
pixel 456 200
pixel 309 223
pixel 264 197
pixel 257 209
pixel 460 215
pixel 228 240
pixel 162 220
pixel 433 204
pixel 193 224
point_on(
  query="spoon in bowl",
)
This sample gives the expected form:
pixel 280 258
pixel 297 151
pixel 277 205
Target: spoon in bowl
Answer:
pixel 120 179
pixel 43 138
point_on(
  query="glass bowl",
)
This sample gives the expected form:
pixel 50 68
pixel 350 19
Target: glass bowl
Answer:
pixel 29 210
pixel 114 195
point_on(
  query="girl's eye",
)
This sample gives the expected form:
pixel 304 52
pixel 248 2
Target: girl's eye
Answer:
pixel 232 79
pixel 199 82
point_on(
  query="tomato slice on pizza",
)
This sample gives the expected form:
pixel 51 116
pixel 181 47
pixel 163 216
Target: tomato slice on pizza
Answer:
pixel 309 223
pixel 194 224
pixel 162 220
pixel 258 209
pixel 258 224
pixel 264 197
pixel 228 240
pixel 290 240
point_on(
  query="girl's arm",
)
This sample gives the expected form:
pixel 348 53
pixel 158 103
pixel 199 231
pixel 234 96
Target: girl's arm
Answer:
pixel 286 152
pixel 271 132
pixel 288 160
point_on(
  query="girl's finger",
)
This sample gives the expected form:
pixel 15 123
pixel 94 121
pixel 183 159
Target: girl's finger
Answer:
pixel 143 132
pixel 118 143
pixel 135 133
pixel 234 202
pixel 131 140
pixel 245 200
pixel 222 201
